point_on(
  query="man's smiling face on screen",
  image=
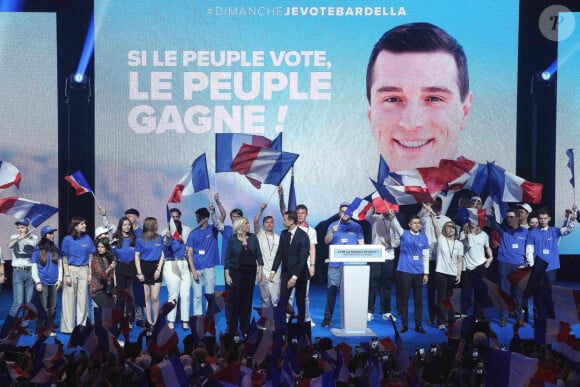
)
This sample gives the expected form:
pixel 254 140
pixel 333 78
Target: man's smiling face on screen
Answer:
pixel 415 109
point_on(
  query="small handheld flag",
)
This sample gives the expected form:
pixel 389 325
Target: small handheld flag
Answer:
pixel 197 179
pixel 79 183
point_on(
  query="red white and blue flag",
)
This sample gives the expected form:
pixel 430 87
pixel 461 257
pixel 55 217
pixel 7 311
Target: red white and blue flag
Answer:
pixel 21 208
pixel 196 180
pixel 169 372
pixel 79 183
pixel 511 369
pixel 566 304
pixel 381 205
pixel 48 354
pixel 403 194
pixel 172 227
pixel 358 209
pixel 9 175
pixel 15 371
pixel 265 165
pixel 227 146
pixel 491 295
pixel 520 278
pixel 404 360
pixel 449 175
pixel 472 215
pixel 550 331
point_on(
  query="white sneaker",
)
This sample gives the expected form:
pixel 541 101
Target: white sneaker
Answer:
pixel 389 316
pixel 370 316
pixel 312 323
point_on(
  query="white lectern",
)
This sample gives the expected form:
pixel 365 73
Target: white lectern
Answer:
pixel 354 287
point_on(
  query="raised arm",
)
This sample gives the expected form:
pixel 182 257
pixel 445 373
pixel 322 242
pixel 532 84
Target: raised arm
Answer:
pixel 258 216
pixel 281 198
pixel 570 222
pixel 218 223
pixel 222 216
pixel 395 225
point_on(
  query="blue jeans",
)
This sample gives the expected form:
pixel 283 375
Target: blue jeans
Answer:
pixel 206 282
pixel 22 290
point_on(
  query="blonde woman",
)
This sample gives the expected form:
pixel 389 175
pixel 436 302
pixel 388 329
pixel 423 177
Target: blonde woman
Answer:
pixel 447 269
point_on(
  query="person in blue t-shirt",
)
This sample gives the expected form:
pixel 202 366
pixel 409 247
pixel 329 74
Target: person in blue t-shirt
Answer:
pixel 341 232
pixel 77 252
pixel 149 264
pixel 47 275
pixel 542 253
pixel 412 270
pixel 203 256
pixel 511 257
pixel 124 249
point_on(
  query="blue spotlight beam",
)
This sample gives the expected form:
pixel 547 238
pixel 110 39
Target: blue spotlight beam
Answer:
pixel 11 5
pixel 87 51
pixel 550 71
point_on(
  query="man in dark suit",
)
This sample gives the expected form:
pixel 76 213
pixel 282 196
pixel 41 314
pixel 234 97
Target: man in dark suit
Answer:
pixel 292 253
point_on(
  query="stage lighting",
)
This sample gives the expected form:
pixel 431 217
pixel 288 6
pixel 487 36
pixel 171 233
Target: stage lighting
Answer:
pixel 77 85
pixel 546 75
pixel 543 83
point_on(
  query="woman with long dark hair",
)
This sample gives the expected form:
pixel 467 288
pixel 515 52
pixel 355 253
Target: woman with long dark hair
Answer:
pixel 123 246
pixel 77 252
pixel 47 275
pixel 177 275
pixel 103 274
pixel 243 259
pixel 149 263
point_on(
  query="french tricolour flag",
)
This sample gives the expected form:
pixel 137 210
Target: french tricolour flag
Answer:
pixel 381 205
pixel 227 146
pixel 472 215
pixel 402 194
pixel 549 331
pixel 79 183
pixel 358 209
pixel 512 369
pixel 22 208
pixel 493 296
pixel 15 371
pixel 169 372
pixel 195 180
pixel 9 175
pixel 520 278
pixel 264 165
pixel 566 304
pixel 450 174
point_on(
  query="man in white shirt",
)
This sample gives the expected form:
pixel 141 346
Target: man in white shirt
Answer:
pixel 269 241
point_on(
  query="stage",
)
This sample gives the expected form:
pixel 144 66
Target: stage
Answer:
pixel 380 327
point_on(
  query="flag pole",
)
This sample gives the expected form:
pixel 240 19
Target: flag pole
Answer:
pixel 272 194
pixel 97 201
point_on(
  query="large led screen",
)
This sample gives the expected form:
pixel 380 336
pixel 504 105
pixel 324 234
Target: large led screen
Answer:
pixel 568 127
pixel 169 76
pixel 29 111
